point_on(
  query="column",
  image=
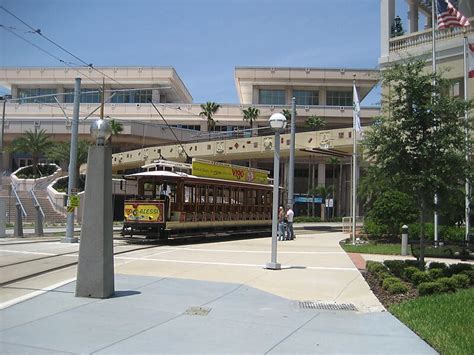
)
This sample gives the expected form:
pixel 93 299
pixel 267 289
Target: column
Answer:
pixel 155 95
pixel 321 174
pixel 59 90
pixel 387 14
pixel 322 97
pixel 413 16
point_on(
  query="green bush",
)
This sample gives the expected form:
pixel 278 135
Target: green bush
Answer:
pixel 419 277
pixel 375 266
pixel 447 284
pixel 461 280
pixel 429 288
pixel 435 274
pixel 306 219
pixel 437 265
pixel 43 170
pixel 382 276
pixel 454 269
pixel 447 233
pixel 409 271
pixel 374 229
pixel 415 263
pixel 394 285
pixel 61 184
pixel 396 267
pixel 470 274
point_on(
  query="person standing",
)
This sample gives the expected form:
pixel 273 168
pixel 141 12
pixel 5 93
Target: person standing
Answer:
pixel 290 234
pixel 281 223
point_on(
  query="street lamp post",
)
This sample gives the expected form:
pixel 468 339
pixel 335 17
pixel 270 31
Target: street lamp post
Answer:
pixel 277 123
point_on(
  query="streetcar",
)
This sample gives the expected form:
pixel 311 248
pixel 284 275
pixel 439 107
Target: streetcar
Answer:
pixel 175 198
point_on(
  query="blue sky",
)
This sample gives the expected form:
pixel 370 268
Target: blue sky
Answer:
pixel 204 40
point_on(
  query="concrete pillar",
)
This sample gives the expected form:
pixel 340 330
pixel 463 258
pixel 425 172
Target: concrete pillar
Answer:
pixel 322 97
pixel 60 89
pixel 387 14
pixel 18 228
pixel 95 271
pixel 413 16
pixel 321 174
pixel 39 222
pixel 3 218
pixel 155 95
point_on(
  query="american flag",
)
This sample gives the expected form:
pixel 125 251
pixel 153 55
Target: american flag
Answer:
pixel 449 16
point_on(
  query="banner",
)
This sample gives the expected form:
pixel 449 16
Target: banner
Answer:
pixel 144 212
pixel 228 172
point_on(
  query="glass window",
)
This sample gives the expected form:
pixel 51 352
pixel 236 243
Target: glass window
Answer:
pixel 304 97
pixel 339 98
pixel 23 94
pixel 87 96
pixel 132 96
pixel 271 97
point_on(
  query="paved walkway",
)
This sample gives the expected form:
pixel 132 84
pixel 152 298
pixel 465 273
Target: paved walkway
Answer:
pixel 216 298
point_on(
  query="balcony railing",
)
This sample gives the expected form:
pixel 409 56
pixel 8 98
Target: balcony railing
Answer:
pixel 419 38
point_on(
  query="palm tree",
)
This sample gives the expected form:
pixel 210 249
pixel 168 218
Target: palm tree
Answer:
pixel 250 115
pixel 116 127
pixel 60 152
pixel 321 191
pixel 315 123
pixel 208 110
pixel 36 143
pixel 287 113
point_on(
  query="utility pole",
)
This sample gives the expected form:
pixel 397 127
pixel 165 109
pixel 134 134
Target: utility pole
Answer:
pixel 72 164
pixel 291 172
pixel 2 169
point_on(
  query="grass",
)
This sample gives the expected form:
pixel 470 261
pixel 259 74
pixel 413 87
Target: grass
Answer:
pixel 445 321
pixel 374 248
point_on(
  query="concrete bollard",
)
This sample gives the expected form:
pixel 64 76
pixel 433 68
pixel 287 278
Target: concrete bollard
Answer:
pixel 18 229
pixel 39 222
pixel 3 219
pixel 404 240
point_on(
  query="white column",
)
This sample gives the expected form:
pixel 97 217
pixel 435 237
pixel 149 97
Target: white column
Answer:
pixel 387 14
pixel 413 16
pixel 155 95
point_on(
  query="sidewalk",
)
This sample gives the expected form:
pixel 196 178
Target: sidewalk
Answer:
pixel 216 298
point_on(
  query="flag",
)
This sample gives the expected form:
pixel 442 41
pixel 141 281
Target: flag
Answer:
pixel 470 58
pixel 355 111
pixel 449 16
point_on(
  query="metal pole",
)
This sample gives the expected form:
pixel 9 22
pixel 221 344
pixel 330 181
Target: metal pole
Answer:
pixel 73 162
pixel 433 68
pixel 291 172
pixel 354 171
pixel 276 177
pixel 2 169
pixel 467 134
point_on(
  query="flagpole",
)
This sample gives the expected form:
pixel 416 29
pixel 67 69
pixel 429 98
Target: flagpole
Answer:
pixel 466 132
pixel 433 66
pixel 354 169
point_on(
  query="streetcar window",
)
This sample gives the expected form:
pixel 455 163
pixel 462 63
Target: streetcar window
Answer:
pixel 225 195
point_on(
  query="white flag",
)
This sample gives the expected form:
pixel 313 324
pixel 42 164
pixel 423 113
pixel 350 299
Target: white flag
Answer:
pixel 355 111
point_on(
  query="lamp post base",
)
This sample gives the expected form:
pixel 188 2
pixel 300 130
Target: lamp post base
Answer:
pixel 273 266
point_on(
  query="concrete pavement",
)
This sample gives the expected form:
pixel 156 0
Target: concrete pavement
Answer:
pixel 215 298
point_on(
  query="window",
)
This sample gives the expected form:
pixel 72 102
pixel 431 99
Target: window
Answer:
pixel 132 96
pixel 87 96
pixel 23 94
pixel 339 98
pixel 271 97
pixel 304 97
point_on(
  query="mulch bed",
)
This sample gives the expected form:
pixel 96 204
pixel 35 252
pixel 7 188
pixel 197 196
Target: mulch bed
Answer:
pixel 384 297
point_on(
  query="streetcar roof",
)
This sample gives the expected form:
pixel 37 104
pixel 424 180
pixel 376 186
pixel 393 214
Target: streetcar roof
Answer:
pixel 170 174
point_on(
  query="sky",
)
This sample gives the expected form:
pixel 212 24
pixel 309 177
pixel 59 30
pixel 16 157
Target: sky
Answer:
pixel 204 40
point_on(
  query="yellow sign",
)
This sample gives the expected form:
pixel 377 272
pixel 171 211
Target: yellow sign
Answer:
pixel 228 172
pixel 74 201
pixel 70 209
pixel 138 211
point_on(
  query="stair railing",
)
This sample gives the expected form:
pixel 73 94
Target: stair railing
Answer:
pixel 36 202
pixel 23 211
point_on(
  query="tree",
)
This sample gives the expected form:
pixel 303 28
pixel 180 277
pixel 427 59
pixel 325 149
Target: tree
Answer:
pixel 60 152
pixel 250 115
pixel 116 127
pixel 315 122
pixel 208 110
pixel 333 161
pixel 419 143
pixel 36 143
pixel 321 191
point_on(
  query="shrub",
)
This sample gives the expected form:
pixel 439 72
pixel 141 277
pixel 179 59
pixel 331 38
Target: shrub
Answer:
pixel 447 284
pixel 394 285
pixel 43 170
pixel 409 271
pixel 419 277
pixel 375 266
pixel 372 228
pixel 415 263
pixel 428 288
pixel 435 274
pixel 445 232
pixel 302 219
pixel 383 275
pixel 437 265
pixel 396 267
pixel 470 274
pixel 458 268
pixel 461 280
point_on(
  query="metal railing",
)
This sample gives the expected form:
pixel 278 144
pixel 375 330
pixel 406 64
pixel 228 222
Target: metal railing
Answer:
pixel 36 202
pixel 23 211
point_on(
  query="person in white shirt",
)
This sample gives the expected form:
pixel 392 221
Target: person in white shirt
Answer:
pixel 290 234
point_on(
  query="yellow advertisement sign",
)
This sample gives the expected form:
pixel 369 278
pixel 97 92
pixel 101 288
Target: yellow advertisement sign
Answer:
pixel 139 211
pixel 74 201
pixel 228 172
